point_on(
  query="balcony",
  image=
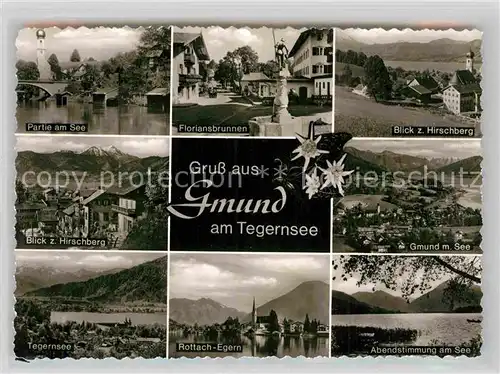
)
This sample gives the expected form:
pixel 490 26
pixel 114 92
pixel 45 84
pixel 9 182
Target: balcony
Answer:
pixel 189 78
pixel 189 59
pixel 121 210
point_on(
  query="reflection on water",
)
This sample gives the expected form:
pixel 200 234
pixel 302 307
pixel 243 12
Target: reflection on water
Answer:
pixel 258 346
pixel 124 120
pixel 446 328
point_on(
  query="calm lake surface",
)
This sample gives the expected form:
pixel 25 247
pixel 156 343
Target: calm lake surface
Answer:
pixel 123 120
pixel 260 346
pixel 135 318
pixel 447 67
pixel 448 328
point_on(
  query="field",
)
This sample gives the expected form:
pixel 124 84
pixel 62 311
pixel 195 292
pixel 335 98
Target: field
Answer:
pixel 361 116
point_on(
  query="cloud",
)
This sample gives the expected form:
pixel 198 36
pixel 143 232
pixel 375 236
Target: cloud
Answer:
pixel 101 43
pixel 287 264
pixel 75 260
pixel 221 40
pixel 233 279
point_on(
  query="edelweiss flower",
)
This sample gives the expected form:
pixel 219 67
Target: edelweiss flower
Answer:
pixel 312 184
pixel 308 148
pixel 334 174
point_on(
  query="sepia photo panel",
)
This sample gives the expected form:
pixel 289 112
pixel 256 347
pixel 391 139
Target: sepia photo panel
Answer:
pixel 98 80
pixel 386 305
pixel 251 82
pixel 96 305
pixel 405 83
pixel 248 305
pixel 102 193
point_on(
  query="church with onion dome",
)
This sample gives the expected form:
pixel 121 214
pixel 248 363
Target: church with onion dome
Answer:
pixel 41 56
pixel 463 94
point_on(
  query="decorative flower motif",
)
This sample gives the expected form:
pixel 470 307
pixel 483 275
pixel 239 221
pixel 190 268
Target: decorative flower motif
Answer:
pixel 308 148
pixel 334 174
pixel 312 184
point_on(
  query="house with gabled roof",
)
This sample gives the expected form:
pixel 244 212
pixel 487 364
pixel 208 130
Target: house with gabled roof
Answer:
pixel 189 52
pixel 428 82
pixel 130 205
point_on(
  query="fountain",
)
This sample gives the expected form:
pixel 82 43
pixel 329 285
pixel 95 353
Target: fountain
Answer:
pixel 281 122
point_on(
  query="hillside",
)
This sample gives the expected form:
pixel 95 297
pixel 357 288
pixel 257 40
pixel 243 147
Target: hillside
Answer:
pixel 355 161
pixel 439 50
pixel 471 164
pixel 392 161
pixel 343 303
pixel 308 298
pixel 145 282
pixel 93 161
pixel 203 311
pixel 388 160
pixel 383 300
pixel 357 71
pixel 434 302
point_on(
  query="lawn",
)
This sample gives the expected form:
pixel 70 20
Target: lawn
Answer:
pixel 230 114
pixel 361 116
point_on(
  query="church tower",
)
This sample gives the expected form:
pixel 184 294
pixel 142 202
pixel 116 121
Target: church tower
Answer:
pixel 41 57
pixel 469 62
pixel 254 314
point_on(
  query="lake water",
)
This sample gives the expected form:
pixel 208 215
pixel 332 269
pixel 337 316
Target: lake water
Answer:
pixel 123 120
pixel 450 329
pixel 135 318
pixel 448 67
pixel 259 346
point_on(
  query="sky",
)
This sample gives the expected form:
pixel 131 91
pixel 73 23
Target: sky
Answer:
pixel 69 260
pixel 381 36
pixel 220 40
pixel 136 146
pixel 234 279
pixel 101 43
pixel 350 287
pixel 427 148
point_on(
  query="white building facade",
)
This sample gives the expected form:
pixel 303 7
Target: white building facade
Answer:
pixel 313 59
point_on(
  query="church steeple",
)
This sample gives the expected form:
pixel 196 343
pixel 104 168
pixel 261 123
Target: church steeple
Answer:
pixel 469 62
pixel 254 313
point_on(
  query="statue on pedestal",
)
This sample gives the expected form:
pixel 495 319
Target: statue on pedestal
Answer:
pixel 280 111
pixel 281 53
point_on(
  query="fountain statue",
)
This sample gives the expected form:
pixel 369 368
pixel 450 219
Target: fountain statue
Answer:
pixel 280 122
pixel 280 107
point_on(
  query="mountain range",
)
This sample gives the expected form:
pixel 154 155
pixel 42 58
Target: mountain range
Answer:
pixel 380 302
pixel 390 161
pixel 145 282
pixel 307 298
pixel 29 278
pixel 439 50
pixel 93 160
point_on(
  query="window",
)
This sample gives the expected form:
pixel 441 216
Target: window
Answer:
pixel 319 35
pixel 324 85
pixel 181 69
pixel 316 51
pixel 315 69
pixel 105 216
